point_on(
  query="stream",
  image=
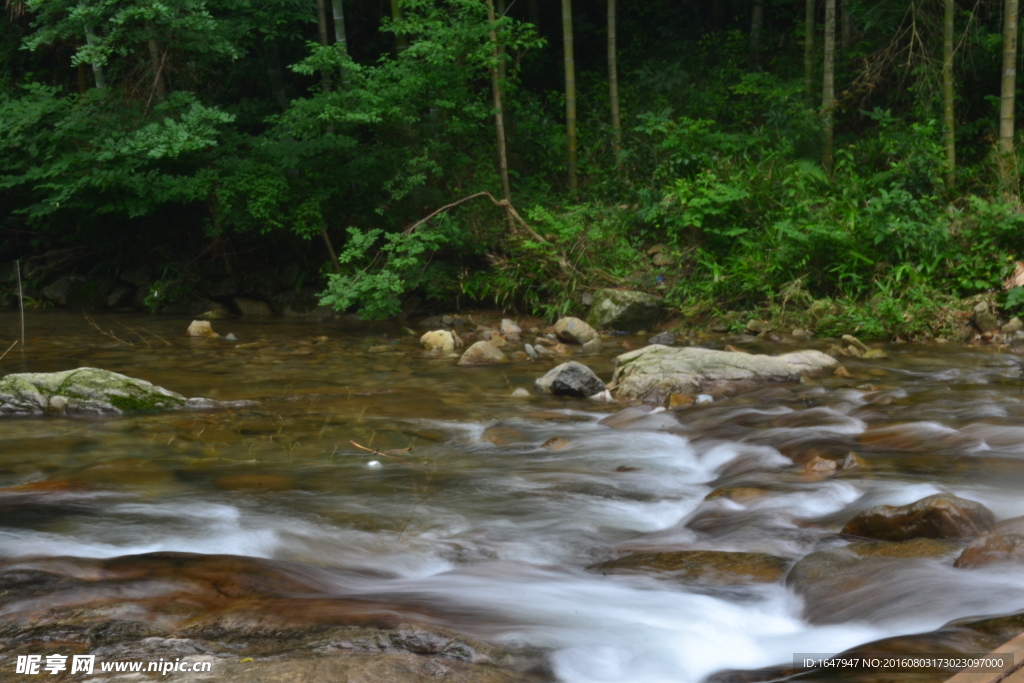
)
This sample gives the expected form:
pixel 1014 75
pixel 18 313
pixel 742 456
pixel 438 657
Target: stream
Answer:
pixel 485 511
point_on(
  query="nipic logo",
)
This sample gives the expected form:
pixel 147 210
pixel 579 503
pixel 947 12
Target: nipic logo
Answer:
pixel 31 664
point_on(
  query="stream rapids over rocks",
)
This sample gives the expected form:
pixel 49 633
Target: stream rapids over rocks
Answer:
pixel 491 538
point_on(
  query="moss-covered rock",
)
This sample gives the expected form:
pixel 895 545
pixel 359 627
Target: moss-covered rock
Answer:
pixel 85 390
pixel 623 309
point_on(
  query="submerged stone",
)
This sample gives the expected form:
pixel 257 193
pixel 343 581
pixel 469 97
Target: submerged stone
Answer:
pixel 701 566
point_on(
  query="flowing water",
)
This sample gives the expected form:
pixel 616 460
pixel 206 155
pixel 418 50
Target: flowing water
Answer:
pixel 489 509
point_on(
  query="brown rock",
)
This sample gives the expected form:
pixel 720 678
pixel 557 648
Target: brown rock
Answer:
pixel 940 516
pixel 483 353
pixel 701 566
pixel 575 331
pixel 739 494
pixel 438 341
pixel 1005 543
pixel 201 328
pixel 820 465
pixel 255 482
pixel 842 372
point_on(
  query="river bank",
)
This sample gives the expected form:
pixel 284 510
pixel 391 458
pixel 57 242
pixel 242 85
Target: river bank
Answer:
pixel 489 520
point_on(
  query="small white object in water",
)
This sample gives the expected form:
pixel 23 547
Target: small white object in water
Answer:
pixel 373 464
pixel 520 393
pixel 603 396
pixel 230 337
pixel 704 398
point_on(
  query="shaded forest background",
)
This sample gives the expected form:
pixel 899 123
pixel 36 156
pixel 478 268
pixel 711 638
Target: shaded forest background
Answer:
pixel 211 141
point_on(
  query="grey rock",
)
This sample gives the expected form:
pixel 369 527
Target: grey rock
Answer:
pixel 508 327
pixel 665 338
pixel 121 297
pixel 252 307
pixel 622 309
pixel 658 371
pixel 85 390
pixel 571 379
pixel 591 347
pixel 78 290
pixel 1012 327
pixel 530 351
pixel 224 288
pixel 483 353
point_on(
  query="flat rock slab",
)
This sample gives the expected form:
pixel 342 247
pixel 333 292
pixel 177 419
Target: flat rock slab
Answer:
pixel 701 566
pixel 655 372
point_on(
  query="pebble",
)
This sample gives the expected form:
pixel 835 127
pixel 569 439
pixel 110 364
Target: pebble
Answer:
pixel 374 464
pixel 520 393
pixel 231 337
pixel 530 351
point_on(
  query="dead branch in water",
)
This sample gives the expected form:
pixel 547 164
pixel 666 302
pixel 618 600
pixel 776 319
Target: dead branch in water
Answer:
pixel 105 334
pixel 375 452
pixel 13 344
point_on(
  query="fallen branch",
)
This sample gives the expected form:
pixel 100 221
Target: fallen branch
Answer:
pixel 13 344
pixel 503 203
pixel 375 452
pixel 105 334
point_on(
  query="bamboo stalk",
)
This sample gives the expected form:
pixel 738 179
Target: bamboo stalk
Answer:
pixel 21 303
pixel 949 132
pixel 570 90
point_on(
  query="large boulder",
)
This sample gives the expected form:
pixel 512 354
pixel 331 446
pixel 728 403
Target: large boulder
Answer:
pixel 655 372
pixel 575 331
pixel 623 309
pixel 701 566
pixel 939 516
pixel 571 379
pixel 85 390
pixel 77 290
pixel 483 353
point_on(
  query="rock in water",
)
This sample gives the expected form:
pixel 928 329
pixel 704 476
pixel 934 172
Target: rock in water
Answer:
pixel 438 341
pixel 1005 543
pixel 939 516
pixel 701 566
pixel 85 390
pixel 508 327
pixel 575 331
pixel 664 338
pixel 623 309
pixel 571 379
pixel 483 353
pixel 658 371
pixel 201 328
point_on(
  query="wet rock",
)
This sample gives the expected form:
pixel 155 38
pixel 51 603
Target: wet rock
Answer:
pixel 291 626
pixel 201 328
pixel 758 327
pixel 1004 543
pixel 874 354
pixel 1012 327
pixel 78 290
pixel 562 349
pixel 530 351
pixel 252 307
pixel 941 516
pixel 508 327
pixel 701 566
pixel 575 331
pixel 85 390
pixel 504 434
pixel 663 338
pixel 571 379
pixel 121 297
pixel 739 494
pixel 483 353
pixel 627 416
pixel 255 482
pixel 854 342
pixel 821 466
pixel 591 347
pixel 438 341
pixel 800 333
pixel 853 460
pixel 622 309
pixel 215 313
pixel 658 370
pixel 520 393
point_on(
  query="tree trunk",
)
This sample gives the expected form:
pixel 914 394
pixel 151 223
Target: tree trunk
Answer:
pixel 613 80
pixel 499 120
pixel 339 24
pixel 500 8
pixel 570 90
pixel 533 12
pixel 401 41
pixel 828 88
pixel 1006 109
pixel 97 68
pixel 847 27
pixel 948 132
pixel 154 57
pixel 276 75
pixel 756 23
pixel 809 53
pixel 321 19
